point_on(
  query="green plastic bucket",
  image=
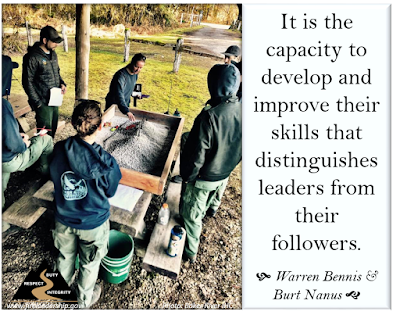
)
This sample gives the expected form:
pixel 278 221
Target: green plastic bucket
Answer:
pixel 115 266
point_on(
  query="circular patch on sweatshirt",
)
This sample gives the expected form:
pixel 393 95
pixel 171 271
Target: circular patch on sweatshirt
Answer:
pixel 73 187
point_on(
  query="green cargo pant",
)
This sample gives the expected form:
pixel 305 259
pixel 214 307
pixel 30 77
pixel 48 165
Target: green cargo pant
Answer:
pixel 47 116
pixel 196 198
pixel 39 151
pixel 91 245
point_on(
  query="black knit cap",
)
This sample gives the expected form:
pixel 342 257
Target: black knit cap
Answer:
pixel 50 33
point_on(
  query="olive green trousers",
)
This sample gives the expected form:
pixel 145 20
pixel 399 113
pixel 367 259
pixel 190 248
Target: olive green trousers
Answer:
pixel 39 151
pixel 196 198
pixel 92 247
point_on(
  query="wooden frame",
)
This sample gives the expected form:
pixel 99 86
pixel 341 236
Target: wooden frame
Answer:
pixel 148 182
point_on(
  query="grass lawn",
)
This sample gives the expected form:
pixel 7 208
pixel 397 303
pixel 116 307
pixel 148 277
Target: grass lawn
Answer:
pixel 189 87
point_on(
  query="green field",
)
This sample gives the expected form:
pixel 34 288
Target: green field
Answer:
pixel 189 87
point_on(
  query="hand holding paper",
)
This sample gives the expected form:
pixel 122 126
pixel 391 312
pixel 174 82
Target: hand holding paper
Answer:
pixel 56 96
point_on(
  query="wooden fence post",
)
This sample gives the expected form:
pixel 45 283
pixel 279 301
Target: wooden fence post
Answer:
pixel 65 41
pixel 181 18
pixel 29 34
pixel 178 54
pixel 191 20
pixel 127 45
pixel 240 24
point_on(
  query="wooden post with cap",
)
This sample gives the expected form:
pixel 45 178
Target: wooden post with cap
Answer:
pixel 127 45
pixel 65 41
pixel 29 34
pixel 178 54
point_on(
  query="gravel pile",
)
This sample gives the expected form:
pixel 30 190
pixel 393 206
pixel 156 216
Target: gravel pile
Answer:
pixel 144 150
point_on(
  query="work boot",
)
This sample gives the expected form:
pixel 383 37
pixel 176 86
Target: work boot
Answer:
pixel 189 258
pixel 177 179
pixel 211 212
pixel 95 296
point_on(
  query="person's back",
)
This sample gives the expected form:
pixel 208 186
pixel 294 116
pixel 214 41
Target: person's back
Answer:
pixel 211 151
pixel 226 147
pixel 84 177
pixel 214 146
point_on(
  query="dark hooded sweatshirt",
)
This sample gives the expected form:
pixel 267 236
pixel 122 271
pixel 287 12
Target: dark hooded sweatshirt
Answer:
pixel 84 177
pixel 12 143
pixel 214 146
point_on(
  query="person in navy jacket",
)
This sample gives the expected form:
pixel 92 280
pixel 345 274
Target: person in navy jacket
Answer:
pixel 19 152
pixel 123 83
pixel 84 177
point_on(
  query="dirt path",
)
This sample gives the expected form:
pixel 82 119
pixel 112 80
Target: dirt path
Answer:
pixel 213 39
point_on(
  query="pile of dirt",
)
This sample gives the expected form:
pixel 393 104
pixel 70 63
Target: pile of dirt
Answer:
pixel 213 281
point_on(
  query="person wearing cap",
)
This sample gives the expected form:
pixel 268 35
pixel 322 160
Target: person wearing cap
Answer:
pixel 210 153
pixel 231 53
pixel 123 84
pixel 40 73
pixel 18 150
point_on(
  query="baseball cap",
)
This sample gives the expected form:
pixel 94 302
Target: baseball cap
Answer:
pixel 232 51
pixel 50 33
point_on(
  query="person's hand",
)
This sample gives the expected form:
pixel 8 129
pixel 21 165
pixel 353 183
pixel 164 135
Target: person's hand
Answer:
pixel 131 116
pixel 25 139
pixel 63 89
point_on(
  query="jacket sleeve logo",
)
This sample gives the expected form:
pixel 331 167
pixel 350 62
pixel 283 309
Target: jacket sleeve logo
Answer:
pixel 73 187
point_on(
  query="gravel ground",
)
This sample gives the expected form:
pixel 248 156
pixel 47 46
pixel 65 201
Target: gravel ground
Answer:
pixel 146 153
pixel 213 281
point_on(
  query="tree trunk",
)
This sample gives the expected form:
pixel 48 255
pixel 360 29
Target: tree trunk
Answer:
pixel 178 55
pixel 65 41
pixel 82 40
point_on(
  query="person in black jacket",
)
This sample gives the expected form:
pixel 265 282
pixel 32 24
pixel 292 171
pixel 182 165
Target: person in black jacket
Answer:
pixel 19 152
pixel 84 177
pixel 231 53
pixel 40 73
pixel 211 151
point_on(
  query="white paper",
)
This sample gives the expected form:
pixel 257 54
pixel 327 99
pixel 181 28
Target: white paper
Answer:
pixel 56 97
pixel 126 197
